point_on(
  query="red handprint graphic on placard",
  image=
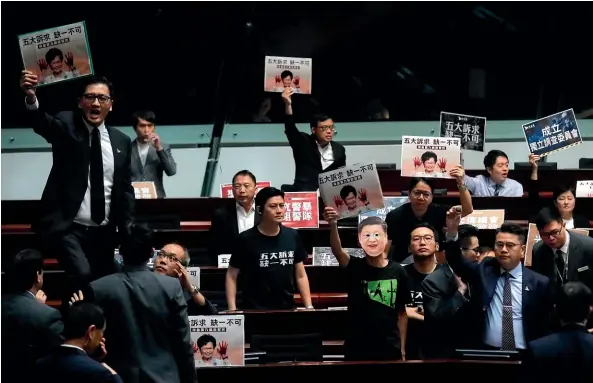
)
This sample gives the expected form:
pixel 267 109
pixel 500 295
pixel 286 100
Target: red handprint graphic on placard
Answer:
pixel 222 349
pixel 417 162
pixel 42 65
pixel 297 81
pixel 362 196
pixel 277 79
pixel 338 201
pixel 69 58
pixel 195 347
pixel 443 164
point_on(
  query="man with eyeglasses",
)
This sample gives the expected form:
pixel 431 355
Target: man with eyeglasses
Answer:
pixel 172 260
pixel 313 153
pixel 516 301
pixel 561 256
pixel 88 194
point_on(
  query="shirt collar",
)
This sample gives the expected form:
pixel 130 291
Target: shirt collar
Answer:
pixel 72 346
pixel 494 184
pixel 240 208
pixel 564 248
pixel 516 273
pixel 102 128
pixel 324 148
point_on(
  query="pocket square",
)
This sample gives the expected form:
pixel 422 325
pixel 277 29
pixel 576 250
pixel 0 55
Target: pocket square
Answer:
pixel 527 288
pixel 584 268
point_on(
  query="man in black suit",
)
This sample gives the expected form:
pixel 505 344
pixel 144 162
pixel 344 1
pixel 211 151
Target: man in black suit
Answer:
pixel 516 302
pixel 560 255
pixel 88 193
pixel 149 335
pixel 78 359
pixel 568 352
pixel 313 153
pixel 451 317
pixel 229 222
pixel 30 328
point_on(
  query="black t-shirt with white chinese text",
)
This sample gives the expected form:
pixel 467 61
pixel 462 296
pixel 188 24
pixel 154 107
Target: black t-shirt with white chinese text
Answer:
pixel 401 222
pixel 376 297
pixel 416 331
pixel 266 265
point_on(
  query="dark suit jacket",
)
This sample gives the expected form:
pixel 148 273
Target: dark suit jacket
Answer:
pixel 451 320
pixel 30 329
pixel 567 353
pixel 580 256
pixel 67 181
pixel 224 230
pixel 147 332
pixel 71 365
pixel 536 296
pixel 156 163
pixel 307 159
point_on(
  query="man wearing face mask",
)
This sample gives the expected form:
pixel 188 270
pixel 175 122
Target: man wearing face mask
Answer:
pixel 88 197
pixel 79 358
pixel 497 184
pixel 150 156
pixel 377 294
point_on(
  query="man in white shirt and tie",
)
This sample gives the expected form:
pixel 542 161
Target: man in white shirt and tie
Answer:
pixel 88 197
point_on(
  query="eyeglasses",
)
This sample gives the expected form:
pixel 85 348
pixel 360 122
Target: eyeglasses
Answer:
pixel 169 256
pixel 419 193
pixel 553 233
pixel 426 238
pixel 326 128
pixel 91 97
pixel 509 245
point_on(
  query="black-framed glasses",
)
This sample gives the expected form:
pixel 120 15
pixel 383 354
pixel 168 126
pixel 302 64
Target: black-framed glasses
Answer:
pixel 420 193
pixel 426 238
pixel 553 233
pixel 91 97
pixel 326 128
pixel 509 245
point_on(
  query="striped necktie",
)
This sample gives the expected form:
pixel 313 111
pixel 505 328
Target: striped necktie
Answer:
pixel 508 332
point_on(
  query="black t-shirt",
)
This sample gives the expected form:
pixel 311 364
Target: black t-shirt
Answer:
pixel 266 266
pixel 416 331
pixel 401 222
pixel 376 296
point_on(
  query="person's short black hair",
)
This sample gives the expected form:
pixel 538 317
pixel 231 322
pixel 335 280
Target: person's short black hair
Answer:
pixel 371 221
pixel 416 180
pixel 490 158
pixel 265 194
pixel 245 173
pixel 561 189
pixel 205 339
pixel 513 228
pixel 346 190
pixel 465 233
pixel 285 74
pixel 96 80
pixel 546 216
pixel 317 118
pixel 136 248
pixel 428 226
pixel 427 156
pixel 574 302
pixel 22 270
pixel 52 54
pixel 80 316
pixel 147 115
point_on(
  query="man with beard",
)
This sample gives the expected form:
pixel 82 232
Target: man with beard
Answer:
pixel 172 260
pixel 88 197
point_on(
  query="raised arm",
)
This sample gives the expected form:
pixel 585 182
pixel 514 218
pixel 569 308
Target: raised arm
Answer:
pixel 464 196
pixel 533 193
pixel 167 160
pixel 462 267
pixel 290 129
pixel 331 215
pixel 439 306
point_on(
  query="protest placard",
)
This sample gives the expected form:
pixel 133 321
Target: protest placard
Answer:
pixel 218 340
pixel 226 190
pixel 288 72
pixel 471 130
pixel 223 261
pixel 323 256
pixel 549 134
pixel 533 237
pixel 352 190
pixel 391 203
pixel 302 210
pixel 144 190
pixel 57 54
pixel 584 189
pixel 484 219
pixel 430 157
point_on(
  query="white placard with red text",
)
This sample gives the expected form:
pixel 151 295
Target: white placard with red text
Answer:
pixel 584 189
pixel 485 219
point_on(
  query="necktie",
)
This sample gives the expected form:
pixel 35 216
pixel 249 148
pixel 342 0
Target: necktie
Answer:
pixel 561 266
pixel 497 190
pixel 508 333
pixel 96 172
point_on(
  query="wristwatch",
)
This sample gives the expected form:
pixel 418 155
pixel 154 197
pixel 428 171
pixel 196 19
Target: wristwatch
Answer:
pixel 195 290
pixel 462 187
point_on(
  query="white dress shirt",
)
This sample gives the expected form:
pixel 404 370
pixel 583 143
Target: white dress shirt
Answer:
pixel 327 155
pixel 245 220
pixel 568 223
pixel 83 217
pixel 564 250
pixel 143 151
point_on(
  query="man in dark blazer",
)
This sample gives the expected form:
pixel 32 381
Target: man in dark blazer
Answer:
pixel 560 255
pixel 150 156
pixel 79 358
pixel 229 221
pixel 516 302
pixel 313 153
pixel 568 352
pixel 149 336
pixel 30 328
pixel 88 193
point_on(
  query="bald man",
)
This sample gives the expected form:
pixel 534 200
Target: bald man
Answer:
pixel 172 260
